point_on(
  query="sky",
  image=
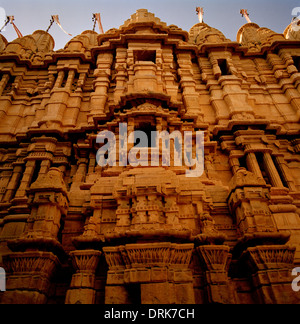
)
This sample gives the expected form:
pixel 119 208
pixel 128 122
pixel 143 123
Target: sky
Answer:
pixel 76 15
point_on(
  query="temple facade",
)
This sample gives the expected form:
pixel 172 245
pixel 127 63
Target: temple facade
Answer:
pixel 74 232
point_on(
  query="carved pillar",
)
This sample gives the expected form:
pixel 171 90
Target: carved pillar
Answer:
pixel 49 201
pixel 253 165
pixel 248 203
pixel 30 271
pixel 234 164
pixel 101 85
pixel 286 173
pixel 4 181
pixel 235 98
pixel 28 277
pixel 168 76
pixel 75 98
pixel 82 289
pixel 190 96
pixel 215 261
pixel 122 75
pixel 176 284
pixel 70 79
pixel 115 291
pixel 45 166
pixel 3 83
pixel 285 213
pixel 272 171
pixel 270 268
pixel 26 179
pixel 60 78
pixel 80 173
pixel 59 98
pixel 277 64
pixel 293 96
pixel 13 183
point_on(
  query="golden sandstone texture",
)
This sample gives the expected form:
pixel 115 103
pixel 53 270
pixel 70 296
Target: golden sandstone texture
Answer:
pixel 74 232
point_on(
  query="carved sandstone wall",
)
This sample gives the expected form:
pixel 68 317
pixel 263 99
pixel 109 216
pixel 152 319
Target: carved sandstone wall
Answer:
pixel 73 232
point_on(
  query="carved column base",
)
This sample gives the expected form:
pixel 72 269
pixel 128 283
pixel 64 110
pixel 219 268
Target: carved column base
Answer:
pixel 82 289
pixel 29 275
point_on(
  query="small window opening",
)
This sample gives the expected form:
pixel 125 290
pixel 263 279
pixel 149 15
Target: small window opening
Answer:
pixel 224 67
pixel 36 172
pixel 144 56
pixel 9 85
pixel 243 162
pixel 297 62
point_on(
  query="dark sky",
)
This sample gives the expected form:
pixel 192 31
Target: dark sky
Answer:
pixel 76 15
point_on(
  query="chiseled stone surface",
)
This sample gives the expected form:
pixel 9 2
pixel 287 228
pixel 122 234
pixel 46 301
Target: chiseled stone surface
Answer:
pixel 74 232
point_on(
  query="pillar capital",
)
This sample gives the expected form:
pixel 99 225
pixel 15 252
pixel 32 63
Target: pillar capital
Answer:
pixel 85 261
pixel 214 257
pixel 82 289
pixel 270 269
pixel 29 275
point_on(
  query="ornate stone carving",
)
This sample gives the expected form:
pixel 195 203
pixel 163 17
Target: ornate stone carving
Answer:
pixel 271 257
pixel 85 260
pixel 291 33
pixel 29 275
pixel 149 255
pixel 202 33
pixel 215 258
pixel 83 281
pixel 149 234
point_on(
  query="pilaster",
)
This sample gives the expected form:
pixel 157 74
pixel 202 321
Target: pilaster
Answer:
pixel 29 277
pixel 49 200
pixel 270 269
pixel 101 84
pixel 215 261
pixel 191 98
pixel 82 289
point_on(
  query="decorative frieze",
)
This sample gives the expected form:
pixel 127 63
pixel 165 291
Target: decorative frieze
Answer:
pixel 166 255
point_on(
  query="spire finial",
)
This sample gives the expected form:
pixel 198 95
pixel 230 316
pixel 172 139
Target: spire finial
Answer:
pixel 200 13
pixel 97 19
pixel 244 13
